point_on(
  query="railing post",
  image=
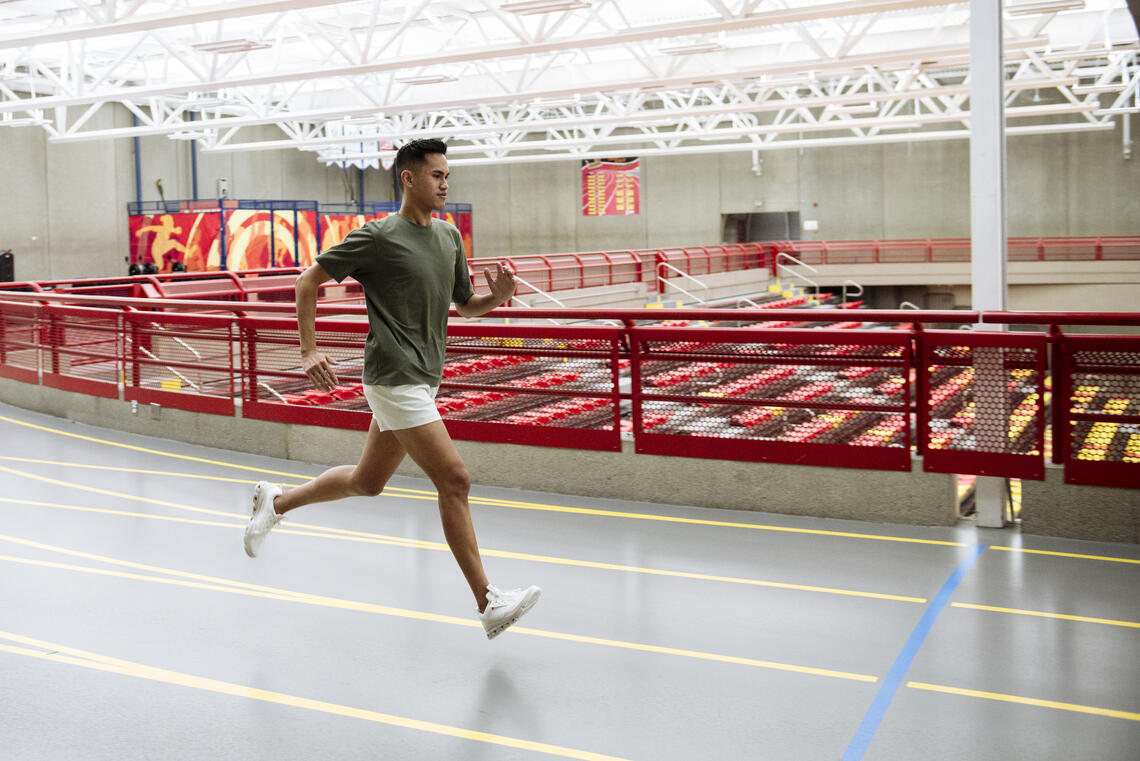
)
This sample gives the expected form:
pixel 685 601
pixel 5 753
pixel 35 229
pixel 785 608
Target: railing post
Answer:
pixel 1061 394
pixel 634 384
pixel 51 340
pixel 249 359
pixel 922 389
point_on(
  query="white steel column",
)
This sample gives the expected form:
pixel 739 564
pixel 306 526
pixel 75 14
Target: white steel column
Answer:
pixel 988 235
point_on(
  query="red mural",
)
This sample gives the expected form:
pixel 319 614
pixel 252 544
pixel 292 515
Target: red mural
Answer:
pixel 163 239
pixel 254 239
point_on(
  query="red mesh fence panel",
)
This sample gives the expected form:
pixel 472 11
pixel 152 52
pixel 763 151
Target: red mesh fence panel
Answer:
pixel 19 341
pixel 81 349
pixel 551 386
pixel 791 396
pixel 275 387
pixel 183 361
pixel 1098 388
pixel 984 408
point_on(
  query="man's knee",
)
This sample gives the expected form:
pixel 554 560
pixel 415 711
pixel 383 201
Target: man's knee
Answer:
pixel 365 485
pixel 455 481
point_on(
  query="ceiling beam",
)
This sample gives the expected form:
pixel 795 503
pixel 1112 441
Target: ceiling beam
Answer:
pixel 440 58
pixel 163 21
pixel 950 55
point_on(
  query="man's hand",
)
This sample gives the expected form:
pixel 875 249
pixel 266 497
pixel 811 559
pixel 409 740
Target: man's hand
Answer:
pixel 319 370
pixel 502 283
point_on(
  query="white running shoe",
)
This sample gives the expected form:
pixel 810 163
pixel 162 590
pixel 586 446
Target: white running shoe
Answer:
pixel 504 608
pixel 264 517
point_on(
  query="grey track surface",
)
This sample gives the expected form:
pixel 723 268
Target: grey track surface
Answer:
pixel 583 693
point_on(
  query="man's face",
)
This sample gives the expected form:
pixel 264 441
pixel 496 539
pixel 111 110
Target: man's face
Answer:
pixel 428 181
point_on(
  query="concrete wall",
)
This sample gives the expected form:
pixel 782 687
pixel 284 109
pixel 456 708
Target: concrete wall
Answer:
pixel 64 206
pixel 1065 184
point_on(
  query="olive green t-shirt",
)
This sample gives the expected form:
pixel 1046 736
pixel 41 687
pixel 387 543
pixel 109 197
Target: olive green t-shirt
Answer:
pixel 410 275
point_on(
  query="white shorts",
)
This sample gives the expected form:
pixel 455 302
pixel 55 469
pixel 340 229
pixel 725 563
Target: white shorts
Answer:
pixel 398 407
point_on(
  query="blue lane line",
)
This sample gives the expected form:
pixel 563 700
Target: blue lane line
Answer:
pixel 890 686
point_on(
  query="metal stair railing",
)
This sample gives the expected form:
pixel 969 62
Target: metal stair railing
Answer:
pixel 793 273
pixel 665 281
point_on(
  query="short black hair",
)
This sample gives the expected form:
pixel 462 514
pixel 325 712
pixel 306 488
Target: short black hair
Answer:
pixel 414 152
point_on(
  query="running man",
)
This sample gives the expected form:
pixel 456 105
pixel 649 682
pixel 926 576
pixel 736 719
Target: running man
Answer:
pixel 411 267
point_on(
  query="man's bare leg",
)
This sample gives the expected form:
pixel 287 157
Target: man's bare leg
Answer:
pixel 431 448
pixel 381 456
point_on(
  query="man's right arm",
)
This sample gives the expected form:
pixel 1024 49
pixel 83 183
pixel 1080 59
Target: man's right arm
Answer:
pixel 315 364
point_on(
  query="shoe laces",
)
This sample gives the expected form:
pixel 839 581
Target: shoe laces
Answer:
pixel 495 597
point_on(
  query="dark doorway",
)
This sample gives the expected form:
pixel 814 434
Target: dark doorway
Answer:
pixel 768 225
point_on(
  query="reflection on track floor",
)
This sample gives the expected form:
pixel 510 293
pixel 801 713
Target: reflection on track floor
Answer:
pixel 133 625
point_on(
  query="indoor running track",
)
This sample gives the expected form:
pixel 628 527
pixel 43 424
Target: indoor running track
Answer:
pixel 132 625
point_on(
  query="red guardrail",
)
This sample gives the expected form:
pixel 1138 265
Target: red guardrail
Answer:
pixel 567 271
pixel 733 388
pixel 949 250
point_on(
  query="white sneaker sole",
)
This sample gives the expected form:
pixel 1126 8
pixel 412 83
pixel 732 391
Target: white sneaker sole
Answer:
pixel 252 512
pixel 521 611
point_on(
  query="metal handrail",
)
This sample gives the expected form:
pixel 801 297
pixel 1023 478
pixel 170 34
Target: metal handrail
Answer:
pixel 181 377
pixel 851 282
pixel 793 273
pixel 540 292
pixel 272 390
pixel 665 281
pixel 178 341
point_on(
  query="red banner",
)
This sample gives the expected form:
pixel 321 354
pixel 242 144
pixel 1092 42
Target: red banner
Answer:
pixel 611 187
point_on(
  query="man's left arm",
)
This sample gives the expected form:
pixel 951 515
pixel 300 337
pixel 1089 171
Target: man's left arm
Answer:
pixel 502 284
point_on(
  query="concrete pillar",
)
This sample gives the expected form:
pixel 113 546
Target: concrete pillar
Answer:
pixel 987 225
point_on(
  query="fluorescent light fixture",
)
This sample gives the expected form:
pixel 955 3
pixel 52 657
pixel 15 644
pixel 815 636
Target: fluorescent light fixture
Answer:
pixel 187 135
pixel 426 79
pixel 1044 6
pixel 239 45
pixel 554 102
pixel 900 125
pixel 854 108
pixel 1121 111
pixel 1108 87
pixel 197 103
pixel 23 121
pixel 691 48
pixel 534 7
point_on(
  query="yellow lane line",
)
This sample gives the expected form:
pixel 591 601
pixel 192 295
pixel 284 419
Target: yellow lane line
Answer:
pixel 487 501
pixel 238 588
pixel 303 529
pixel 1110 712
pixel 1043 614
pixel 118 469
pixel 1107 558
pixel 60 654
pixel 144 450
pixel 144 567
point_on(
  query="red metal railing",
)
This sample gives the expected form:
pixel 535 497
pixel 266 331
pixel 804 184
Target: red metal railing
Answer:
pixel 1096 396
pixel 560 272
pixel 949 250
pixel 699 383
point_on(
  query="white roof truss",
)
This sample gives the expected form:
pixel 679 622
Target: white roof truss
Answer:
pixel 542 80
